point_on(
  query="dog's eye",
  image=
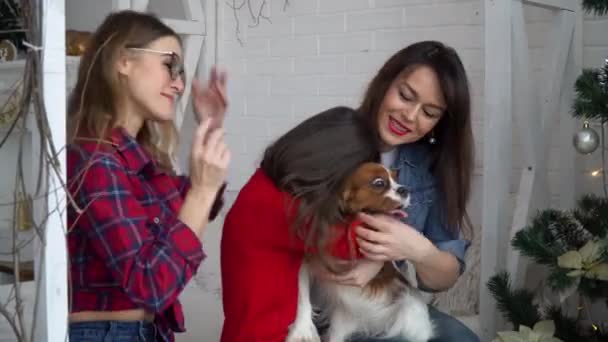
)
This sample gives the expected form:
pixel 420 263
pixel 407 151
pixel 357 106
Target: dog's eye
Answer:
pixel 378 183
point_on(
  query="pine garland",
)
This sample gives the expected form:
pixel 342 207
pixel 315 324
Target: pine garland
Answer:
pixel 591 101
pixel 540 243
pixel 570 244
pixel 553 233
pixel 598 7
pixel 567 328
pixel 517 306
pixel 592 213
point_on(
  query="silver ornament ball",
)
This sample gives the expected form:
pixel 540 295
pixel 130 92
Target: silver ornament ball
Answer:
pixel 586 140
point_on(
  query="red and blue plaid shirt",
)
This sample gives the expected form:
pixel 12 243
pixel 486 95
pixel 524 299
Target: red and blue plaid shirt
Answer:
pixel 127 248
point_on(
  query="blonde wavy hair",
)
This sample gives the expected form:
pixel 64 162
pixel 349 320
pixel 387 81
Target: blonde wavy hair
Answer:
pixel 94 104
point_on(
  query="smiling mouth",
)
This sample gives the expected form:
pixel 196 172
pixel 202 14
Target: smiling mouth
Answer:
pixel 171 98
pixel 397 128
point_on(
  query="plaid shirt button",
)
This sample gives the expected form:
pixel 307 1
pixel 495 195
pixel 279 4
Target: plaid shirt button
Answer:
pixel 156 220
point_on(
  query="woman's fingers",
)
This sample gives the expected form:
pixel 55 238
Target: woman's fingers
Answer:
pixel 380 223
pixel 371 247
pixel 225 158
pixel 200 134
pixel 215 137
pixel 375 257
pixel 371 235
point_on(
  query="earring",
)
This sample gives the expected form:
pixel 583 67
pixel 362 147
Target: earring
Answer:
pixel 432 139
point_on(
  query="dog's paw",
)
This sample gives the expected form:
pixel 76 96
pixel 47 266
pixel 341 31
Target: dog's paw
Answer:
pixel 306 332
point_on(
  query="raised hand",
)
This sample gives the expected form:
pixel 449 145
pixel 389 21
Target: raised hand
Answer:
pixel 209 159
pixel 210 101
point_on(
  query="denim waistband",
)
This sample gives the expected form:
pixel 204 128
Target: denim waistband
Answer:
pixel 115 331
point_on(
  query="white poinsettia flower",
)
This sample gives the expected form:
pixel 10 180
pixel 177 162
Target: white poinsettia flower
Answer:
pixel 585 262
pixel 599 271
pixel 542 332
pixel 572 259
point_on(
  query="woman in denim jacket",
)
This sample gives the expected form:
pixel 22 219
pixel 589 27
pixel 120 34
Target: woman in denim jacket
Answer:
pixel 419 103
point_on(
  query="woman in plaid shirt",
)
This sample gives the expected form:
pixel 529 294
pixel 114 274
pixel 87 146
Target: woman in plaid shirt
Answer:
pixel 134 226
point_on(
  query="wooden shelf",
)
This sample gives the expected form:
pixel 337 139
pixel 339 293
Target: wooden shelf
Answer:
pixel 26 269
pixel 20 63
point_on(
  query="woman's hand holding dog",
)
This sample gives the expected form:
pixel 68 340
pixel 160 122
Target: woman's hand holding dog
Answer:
pixel 387 239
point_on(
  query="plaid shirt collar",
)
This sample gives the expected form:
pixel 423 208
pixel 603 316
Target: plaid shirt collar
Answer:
pixel 136 157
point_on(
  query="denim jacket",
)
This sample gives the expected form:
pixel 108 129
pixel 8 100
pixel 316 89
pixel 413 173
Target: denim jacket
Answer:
pixel 426 212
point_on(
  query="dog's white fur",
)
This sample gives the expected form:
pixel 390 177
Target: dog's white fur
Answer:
pixel 350 310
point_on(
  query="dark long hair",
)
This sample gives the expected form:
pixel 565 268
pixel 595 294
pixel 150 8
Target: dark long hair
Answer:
pixel 93 104
pixel 312 160
pixel 453 152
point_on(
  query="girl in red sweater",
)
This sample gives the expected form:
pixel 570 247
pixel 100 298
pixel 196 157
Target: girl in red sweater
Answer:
pixel 263 243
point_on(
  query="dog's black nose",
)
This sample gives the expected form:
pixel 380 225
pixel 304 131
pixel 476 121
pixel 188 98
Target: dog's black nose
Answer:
pixel 402 191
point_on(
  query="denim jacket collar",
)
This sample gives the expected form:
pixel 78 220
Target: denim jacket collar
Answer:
pixel 415 155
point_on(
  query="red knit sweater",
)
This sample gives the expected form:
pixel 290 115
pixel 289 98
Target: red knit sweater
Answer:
pixel 260 261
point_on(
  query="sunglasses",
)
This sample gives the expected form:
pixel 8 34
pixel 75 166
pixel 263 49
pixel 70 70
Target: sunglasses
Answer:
pixel 175 65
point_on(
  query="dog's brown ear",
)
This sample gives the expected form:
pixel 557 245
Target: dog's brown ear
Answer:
pixel 345 199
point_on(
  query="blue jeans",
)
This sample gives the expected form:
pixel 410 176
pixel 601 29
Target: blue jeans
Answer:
pixel 448 328
pixel 112 331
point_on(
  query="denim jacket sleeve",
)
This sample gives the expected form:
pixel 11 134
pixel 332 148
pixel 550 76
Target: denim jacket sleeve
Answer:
pixel 444 237
pixel 426 212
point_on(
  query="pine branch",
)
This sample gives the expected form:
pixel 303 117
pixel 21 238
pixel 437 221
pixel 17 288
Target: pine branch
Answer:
pixel 517 306
pixel 566 328
pixel 591 100
pixel 593 289
pixel 536 242
pixel 598 7
pixel 559 280
pixel 592 213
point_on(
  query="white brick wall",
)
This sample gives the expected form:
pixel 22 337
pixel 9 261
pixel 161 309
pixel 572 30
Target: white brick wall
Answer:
pixel 318 54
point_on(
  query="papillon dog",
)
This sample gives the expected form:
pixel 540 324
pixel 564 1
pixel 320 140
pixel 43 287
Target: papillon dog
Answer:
pixel 389 305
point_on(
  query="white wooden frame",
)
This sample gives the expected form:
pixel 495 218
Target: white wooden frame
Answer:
pixel 195 30
pixel 51 271
pixel 52 313
pixel 507 79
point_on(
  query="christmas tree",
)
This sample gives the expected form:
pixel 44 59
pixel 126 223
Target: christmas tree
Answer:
pixel 571 244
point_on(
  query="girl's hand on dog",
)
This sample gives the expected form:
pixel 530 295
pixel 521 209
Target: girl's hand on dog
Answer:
pixel 387 239
pixel 363 271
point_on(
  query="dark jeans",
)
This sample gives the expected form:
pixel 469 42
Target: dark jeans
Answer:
pixel 112 331
pixel 448 329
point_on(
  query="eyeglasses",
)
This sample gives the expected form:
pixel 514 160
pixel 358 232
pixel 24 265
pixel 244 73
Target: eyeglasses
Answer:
pixel 175 65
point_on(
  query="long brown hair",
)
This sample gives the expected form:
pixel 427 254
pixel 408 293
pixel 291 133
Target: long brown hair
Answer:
pixel 311 162
pixel 453 151
pixel 94 103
